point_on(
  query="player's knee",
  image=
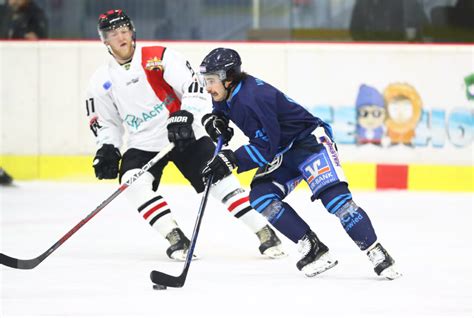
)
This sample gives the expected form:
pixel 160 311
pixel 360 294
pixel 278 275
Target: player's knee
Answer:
pixel 336 197
pixel 270 206
pixel 141 189
pixel 226 189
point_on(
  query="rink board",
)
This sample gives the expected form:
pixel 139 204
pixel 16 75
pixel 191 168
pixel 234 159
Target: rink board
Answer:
pixel 361 176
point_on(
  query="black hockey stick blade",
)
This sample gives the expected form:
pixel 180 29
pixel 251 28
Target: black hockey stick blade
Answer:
pixel 21 263
pixel 160 278
pixel 10 261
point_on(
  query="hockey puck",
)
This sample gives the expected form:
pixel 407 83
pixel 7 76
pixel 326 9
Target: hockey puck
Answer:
pixel 159 287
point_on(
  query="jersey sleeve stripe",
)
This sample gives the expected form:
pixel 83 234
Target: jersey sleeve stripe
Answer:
pixel 251 155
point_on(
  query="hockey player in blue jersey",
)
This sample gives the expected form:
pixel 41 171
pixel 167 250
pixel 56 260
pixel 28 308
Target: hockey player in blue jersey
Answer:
pixel 288 145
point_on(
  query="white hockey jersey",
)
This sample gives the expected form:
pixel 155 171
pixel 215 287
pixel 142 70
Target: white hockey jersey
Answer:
pixel 140 96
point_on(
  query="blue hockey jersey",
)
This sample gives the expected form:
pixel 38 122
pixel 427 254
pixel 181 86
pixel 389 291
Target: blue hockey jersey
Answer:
pixel 271 120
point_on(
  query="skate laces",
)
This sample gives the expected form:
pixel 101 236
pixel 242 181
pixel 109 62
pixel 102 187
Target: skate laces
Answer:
pixel 304 246
pixel 264 234
pixel 173 237
pixel 376 255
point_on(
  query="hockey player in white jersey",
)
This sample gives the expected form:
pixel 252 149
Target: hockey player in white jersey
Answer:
pixel 152 91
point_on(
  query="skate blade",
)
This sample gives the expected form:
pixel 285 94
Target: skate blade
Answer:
pixel 319 266
pixel 391 273
pixel 180 256
pixel 275 252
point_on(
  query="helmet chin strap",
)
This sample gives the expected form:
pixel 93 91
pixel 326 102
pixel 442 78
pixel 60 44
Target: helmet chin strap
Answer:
pixel 228 89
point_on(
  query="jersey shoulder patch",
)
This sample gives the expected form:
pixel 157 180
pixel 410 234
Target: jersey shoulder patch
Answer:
pixel 152 57
pixel 100 82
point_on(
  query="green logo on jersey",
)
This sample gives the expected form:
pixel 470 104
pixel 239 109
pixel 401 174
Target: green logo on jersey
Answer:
pixel 135 121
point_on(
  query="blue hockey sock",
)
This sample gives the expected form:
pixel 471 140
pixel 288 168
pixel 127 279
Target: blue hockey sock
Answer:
pixel 282 216
pixel 289 223
pixel 357 224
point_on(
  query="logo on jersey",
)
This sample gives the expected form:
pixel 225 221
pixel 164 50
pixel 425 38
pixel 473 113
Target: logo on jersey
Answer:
pixel 135 121
pixel 154 64
pixel 133 81
pixel 94 125
pixel 318 171
pixel 261 134
pixel 317 168
pixel 107 85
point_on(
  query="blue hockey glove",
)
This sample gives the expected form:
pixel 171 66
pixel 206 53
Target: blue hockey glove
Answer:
pixel 217 125
pixel 220 166
pixel 180 130
pixel 106 162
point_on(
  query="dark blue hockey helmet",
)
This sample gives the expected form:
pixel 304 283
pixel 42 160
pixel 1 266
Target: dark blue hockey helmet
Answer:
pixel 221 61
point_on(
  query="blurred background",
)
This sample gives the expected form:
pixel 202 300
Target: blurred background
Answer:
pixel 263 20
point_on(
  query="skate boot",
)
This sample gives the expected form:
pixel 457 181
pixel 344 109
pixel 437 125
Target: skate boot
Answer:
pixel 383 262
pixel 316 258
pixel 270 244
pixel 179 245
pixel 5 178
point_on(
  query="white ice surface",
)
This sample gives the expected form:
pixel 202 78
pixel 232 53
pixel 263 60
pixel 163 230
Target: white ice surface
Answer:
pixel 103 270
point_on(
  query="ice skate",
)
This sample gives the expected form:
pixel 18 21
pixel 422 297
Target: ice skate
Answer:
pixel 384 265
pixel 270 244
pixel 179 245
pixel 5 178
pixel 316 258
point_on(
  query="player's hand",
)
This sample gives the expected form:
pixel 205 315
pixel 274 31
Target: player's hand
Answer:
pixel 180 130
pixel 220 166
pixel 106 162
pixel 217 125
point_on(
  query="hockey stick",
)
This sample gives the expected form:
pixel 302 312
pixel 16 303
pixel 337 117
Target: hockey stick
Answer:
pixel 32 263
pixel 163 279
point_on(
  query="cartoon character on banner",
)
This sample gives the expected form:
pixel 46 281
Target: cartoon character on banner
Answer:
pixel 370 108
pixel 404 109
pixel 469 82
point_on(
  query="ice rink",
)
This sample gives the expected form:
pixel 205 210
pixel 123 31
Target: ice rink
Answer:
pixel 103 270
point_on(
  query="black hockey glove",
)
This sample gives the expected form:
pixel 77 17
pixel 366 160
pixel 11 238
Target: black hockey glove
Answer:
pixel 180 130
pixel 106 162
pixel 220 166
pixel 217 125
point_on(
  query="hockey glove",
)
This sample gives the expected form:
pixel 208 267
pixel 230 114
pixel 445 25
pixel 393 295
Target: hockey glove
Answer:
pixel 180 130
pixel 106 162
pixel 218 125
pixel 220 166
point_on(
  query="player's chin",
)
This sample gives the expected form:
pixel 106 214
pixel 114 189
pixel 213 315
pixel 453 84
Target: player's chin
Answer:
pixel 217 97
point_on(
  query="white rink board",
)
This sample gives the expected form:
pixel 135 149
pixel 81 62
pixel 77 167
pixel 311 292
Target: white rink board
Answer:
pixel 43 107
pixel 102 271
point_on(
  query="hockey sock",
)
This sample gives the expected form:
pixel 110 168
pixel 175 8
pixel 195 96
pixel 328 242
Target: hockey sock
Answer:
pixel 229 192
pixel 338 201
pixel 239 206
pixel 151 206
pixel 282 216
pixel 158 214
pixel 357 224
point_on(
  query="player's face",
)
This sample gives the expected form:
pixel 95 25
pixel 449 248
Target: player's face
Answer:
pixel 215 87
pixel 120 41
